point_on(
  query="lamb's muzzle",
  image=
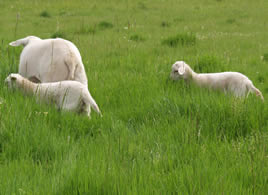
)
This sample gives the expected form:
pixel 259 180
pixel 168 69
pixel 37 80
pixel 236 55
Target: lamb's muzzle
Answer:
pixel 228 82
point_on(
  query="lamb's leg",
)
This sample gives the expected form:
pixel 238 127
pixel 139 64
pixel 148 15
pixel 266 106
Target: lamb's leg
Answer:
pixel 85 108
pixel 87 111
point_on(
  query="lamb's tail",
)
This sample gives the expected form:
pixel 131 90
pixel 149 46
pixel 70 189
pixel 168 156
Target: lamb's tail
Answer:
pixel 256 91
pixel 23 41
pixel 89 100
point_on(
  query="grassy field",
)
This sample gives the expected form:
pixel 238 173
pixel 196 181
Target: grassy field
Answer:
pixel 157 136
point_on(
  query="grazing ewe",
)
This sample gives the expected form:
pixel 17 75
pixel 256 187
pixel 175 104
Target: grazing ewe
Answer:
pixel 67 95
pixel 50 60
pixel 232 82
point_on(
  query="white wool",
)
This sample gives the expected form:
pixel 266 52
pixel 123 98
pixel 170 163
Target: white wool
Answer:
pixel 232 82
pixel 67 95
pixel 50 60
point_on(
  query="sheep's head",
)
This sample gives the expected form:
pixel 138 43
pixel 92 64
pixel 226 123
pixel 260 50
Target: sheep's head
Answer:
pixel 179 71
pixel 12 79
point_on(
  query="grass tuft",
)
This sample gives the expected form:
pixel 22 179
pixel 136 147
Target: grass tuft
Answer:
pixel 84 29
pixel 45 14
pixel 209 64
pixel 141 5
pixel 183 39
pixel 261 79
pixel 230 21
pixel 165 24
pixel 59 34
pixel 265 57
pixel 105 25
pixel 136 38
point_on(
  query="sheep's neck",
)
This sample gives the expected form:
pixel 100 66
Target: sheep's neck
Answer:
pixel 27 86
pixel 198 79
pixel 191 75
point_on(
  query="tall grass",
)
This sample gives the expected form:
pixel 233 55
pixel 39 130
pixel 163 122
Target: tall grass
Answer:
pixel 156 136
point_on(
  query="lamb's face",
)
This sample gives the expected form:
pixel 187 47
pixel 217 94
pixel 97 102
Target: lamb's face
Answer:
pixel 12 79
pixel 178 70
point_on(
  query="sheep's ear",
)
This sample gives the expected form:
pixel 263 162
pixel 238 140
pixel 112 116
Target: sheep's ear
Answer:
pixel 19 42
pixel 14 44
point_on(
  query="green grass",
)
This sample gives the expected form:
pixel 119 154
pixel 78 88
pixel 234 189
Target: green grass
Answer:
pixel 156 136
pixel 180 39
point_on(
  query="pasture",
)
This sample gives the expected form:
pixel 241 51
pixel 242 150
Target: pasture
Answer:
pixel 156 136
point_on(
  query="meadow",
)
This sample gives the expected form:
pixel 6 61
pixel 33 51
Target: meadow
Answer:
pixel 156 136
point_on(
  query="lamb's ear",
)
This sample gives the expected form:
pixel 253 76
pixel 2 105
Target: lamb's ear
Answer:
pixel 13 78
pixel 181 70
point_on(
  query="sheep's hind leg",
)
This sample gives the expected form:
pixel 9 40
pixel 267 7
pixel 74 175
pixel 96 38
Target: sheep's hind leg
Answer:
pixel 71 69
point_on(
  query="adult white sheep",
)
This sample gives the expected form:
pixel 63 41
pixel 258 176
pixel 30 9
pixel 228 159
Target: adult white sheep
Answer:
pixel 67 95
pixel 50 60
pixel 229 82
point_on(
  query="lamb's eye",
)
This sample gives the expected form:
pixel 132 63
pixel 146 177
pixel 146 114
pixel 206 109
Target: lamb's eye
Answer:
pixel 175 71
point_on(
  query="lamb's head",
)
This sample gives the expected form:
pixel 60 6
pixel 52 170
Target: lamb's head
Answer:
pixel 180 70
pixel 12 80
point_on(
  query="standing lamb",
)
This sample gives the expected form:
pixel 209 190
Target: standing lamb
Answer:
pixel 233 82
pixel 50 60
pixel 67 95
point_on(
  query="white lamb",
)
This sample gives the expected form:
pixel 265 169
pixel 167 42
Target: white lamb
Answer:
pixel 232 82
pixel 67 95
pixel 50 60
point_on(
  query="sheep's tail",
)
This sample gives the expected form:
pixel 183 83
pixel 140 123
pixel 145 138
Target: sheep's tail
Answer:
pixel 89 100
pixel 256 91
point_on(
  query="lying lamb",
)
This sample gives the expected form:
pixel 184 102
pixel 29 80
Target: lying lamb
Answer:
pixel 232 82
pixel 67 95
pixel 50 60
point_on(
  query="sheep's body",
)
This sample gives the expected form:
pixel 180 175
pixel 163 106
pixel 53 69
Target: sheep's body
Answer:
pixel 50 60
pixel 66 95
pixel 232 82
